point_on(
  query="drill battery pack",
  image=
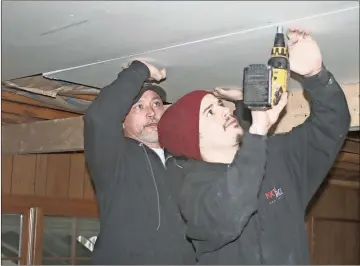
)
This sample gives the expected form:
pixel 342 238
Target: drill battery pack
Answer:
pixel 258 90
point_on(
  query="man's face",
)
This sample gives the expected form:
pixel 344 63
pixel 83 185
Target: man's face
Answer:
pixel 218 127
pixel 141 122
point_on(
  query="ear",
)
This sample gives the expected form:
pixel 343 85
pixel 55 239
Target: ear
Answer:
pixel 123 125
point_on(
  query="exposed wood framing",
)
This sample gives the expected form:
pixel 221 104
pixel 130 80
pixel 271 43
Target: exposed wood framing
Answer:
pixel 345 184
pixel 17 119
pixel 48 86
pixel 344 174
pixel 355 167
pixel 67 134
pixel 352 146
pixel 87 97
pixel 34 111
pixel 18 98
pixel 13 97
pixel 349 157
pixel 68 207
pixel 56 135
pixel 298 108
pixel 27 109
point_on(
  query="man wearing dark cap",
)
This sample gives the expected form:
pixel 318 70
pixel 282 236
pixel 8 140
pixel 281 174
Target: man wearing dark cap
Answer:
pixel 134 179
pixel 245 194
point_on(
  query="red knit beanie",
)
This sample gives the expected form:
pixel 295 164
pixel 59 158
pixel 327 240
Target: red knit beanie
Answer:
pixel 178 128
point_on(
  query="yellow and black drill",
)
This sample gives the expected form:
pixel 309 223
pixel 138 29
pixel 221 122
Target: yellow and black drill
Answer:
pixel 263 84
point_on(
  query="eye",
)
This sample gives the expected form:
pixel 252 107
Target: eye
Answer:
pixel 221 103
pixel 138 107
pixel 158 104
pixel 209 113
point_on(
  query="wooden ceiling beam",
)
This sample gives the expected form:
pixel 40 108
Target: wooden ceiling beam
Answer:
pixel 67 134
pixel 298 109
pixel 17 119
pixel 17 98
pixel 87 97
pixel 34 111
pixel 58 135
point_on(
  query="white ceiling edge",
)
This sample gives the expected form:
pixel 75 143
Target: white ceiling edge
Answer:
pixel 209 39
pixel 219 61
pixel 43 36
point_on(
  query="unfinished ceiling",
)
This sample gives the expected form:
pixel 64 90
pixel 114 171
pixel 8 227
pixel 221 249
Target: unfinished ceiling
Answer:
pixel 202 44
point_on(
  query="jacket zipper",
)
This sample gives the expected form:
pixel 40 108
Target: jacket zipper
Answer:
pixel 155 185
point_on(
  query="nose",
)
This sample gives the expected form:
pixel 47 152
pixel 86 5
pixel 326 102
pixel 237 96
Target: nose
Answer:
pixel 150 111
pixel 226 112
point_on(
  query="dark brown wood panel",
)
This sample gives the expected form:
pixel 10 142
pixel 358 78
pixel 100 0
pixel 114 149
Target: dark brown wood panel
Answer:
pixel 49 179
pixel 52 206
pixel 344 174
pixel 51 175
pixel 333 224
pixel 6 173
pixel 88 187
pixel 337 202
pixel 57 183
pixel 77 170
pixel 41 174
pixel 348 166
pixel 336 242
pixel 351 146
pixel 23 175
pixel 349 157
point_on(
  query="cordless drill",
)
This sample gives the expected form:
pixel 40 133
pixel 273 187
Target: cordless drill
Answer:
pixel 263 84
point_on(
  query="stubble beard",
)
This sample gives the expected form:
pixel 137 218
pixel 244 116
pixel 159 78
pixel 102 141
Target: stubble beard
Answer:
pixel 149 137
pixel 239 138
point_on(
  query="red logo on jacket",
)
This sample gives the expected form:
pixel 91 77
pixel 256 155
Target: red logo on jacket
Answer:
pixel 274 194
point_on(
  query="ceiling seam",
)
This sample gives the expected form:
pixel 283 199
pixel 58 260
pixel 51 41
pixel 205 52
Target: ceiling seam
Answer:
pixel 47 74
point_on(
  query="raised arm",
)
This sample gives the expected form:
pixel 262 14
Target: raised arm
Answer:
pixel 311 148
pixel 218 206
pixel 103 133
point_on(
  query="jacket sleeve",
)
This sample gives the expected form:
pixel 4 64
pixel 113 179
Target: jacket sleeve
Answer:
pixel 311 148
pixel 216 208
pixel 243 114
pixel 103 132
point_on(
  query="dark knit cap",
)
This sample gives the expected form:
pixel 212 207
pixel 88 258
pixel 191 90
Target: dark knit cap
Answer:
pixel 178 128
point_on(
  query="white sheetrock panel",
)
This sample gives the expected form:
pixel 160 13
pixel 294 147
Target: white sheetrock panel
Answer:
pixel 207 64
pixel 43 36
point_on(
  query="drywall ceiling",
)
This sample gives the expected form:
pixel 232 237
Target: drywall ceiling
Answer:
pixel 202 44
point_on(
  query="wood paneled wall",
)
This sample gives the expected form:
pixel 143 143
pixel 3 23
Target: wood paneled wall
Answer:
pixel 50 175
pixel 333 225
pixel 333 221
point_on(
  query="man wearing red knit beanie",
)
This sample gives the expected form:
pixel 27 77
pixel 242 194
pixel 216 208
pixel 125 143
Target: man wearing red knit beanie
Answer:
pixel 244 194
